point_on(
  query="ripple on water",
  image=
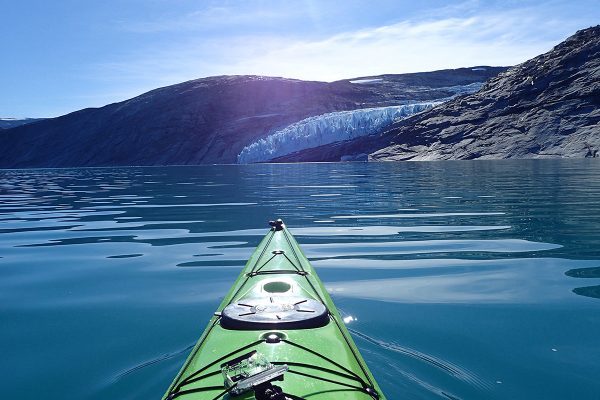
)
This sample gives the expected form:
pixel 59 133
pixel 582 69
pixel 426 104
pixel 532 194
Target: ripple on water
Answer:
pixel 163 357
pixel 372 230
pixel 445 366
pixel 313 187
pixel 418 215
pixel 173 205
pixel 126 255
pixel 453 281
pixel 426 247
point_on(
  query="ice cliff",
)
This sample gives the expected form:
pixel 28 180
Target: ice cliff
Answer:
pixel 327 128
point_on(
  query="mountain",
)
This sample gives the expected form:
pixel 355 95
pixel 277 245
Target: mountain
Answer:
pixel 7 123
pixel 546 107
pixel 211 120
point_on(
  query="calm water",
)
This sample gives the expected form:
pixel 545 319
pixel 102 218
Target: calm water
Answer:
pixel 466 280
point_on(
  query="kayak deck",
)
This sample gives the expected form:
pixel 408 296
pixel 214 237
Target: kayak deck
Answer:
pixel 279 308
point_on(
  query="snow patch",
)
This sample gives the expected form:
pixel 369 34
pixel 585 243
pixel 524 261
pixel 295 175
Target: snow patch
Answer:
pixel 327 128
pixel 362 81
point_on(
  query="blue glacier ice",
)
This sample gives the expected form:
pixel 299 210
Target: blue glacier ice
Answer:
pixel 327 128
pixel 339 126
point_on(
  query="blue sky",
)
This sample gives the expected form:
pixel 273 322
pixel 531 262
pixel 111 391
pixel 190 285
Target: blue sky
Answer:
pixel 63 55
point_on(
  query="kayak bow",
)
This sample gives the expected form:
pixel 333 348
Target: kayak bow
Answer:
pixel 277 335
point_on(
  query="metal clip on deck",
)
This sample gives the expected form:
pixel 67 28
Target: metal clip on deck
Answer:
pixel 252 371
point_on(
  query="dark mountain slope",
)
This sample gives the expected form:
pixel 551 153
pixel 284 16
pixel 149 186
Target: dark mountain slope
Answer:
pixel 7 123
pixel 208 120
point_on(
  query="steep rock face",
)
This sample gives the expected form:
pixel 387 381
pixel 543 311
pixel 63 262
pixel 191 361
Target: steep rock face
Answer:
pixel 546 107
pixel 209 120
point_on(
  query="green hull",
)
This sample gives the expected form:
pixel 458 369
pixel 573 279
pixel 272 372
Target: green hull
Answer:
pixel 322 359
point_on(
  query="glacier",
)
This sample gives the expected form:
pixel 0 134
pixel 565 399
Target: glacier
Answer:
pixel 327 128
pixel 339 126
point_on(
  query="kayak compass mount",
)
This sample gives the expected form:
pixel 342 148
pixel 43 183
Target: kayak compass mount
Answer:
pixel 252 371
pixel 273 337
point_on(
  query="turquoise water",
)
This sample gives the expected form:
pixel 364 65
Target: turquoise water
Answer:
pixel 464 280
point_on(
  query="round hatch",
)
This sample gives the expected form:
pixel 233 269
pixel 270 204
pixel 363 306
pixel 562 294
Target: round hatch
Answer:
pixel 276 312
pixel 277 287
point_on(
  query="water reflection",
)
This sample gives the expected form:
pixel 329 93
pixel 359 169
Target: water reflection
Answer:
pixel 587 291
pixel 584 272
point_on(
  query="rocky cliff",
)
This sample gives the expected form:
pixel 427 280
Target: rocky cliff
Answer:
pixel 546 107
pixel 210 120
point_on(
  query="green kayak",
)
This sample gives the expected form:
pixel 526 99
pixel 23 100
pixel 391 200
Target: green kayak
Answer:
pixel 277 335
